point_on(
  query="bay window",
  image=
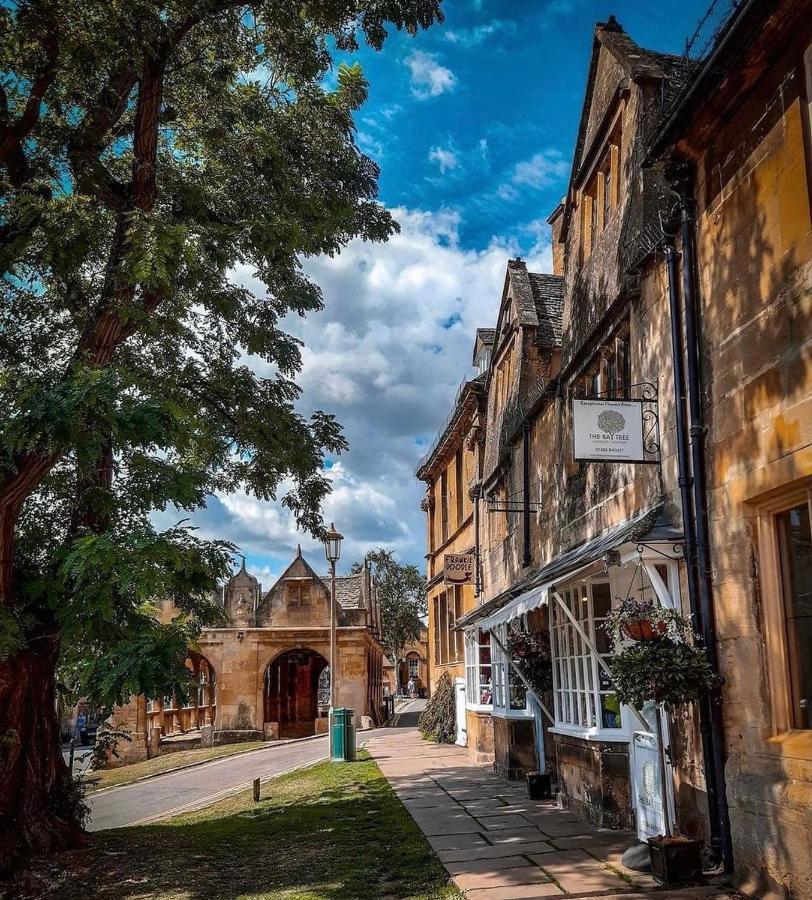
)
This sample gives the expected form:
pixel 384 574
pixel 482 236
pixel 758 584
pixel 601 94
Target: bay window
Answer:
pixel 509 693
pixel 583 694
pixel 478 670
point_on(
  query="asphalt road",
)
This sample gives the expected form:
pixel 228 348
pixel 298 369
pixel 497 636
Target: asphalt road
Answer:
pixel 186 789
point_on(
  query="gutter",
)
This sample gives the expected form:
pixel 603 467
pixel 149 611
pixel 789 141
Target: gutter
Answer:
pixel 665 132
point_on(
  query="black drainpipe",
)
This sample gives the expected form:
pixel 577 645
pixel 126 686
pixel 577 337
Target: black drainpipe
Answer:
pixel 526 495
pixel 688 526
pixel 707 621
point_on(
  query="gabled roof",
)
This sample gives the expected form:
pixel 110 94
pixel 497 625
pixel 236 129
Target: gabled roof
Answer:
pixel 637 63
pixel 299 562
pixel 485 337
pixel 538 299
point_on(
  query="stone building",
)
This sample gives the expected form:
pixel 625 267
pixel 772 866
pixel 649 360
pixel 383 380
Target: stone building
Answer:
pixel 449 469
pixel 266 672
pixel 684 249
pixel 413 664
pixel 739 144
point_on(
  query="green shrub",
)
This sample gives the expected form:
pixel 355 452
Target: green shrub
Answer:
pixel 438 721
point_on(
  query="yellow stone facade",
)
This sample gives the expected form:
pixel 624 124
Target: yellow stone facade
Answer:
pixel 732 164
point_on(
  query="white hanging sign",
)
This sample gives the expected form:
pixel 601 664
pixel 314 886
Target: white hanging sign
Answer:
pixel 608 430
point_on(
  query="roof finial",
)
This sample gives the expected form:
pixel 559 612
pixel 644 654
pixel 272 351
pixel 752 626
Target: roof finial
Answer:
pixel 242 567
pixel 298 549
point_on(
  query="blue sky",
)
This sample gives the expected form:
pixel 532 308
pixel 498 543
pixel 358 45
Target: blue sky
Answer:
pixel 511 97
pixel 473 124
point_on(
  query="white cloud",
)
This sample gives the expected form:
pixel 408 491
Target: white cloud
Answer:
pixel 478 34
pixel 386 356
pixel 427 77
pixel 542 169
pixel 370 145
pixel 445 157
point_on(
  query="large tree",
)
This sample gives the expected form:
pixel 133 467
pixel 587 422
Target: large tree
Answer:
pixel 402 597
pixel 147 149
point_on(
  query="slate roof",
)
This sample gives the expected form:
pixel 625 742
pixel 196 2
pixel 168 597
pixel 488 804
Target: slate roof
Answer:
pixel 539 301
pixel 349 590
pixel 548 293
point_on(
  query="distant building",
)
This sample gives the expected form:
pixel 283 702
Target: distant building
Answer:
pixel 266 673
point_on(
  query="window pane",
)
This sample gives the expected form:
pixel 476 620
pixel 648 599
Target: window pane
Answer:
pixel 610 711
pixel 796 569
pixel 601 600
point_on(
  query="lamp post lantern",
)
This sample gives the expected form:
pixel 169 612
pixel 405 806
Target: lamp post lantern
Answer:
pixel 332 550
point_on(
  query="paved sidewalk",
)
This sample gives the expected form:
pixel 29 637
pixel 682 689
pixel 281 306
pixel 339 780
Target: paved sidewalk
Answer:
pixel 495 842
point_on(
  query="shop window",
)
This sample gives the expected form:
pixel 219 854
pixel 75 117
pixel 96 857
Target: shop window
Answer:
pixel 442 625
pixel 509 694
pixel 478 669
pixel 582 692
pixel 794 532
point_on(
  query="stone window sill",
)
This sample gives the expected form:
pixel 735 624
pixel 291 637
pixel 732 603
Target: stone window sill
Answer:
pixel 792 744
pixel 598 735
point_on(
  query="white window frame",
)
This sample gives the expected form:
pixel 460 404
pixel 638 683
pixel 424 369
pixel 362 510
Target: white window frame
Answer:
pixel 501 679
pixel 473 677
pixel 563 635
pixel 414 663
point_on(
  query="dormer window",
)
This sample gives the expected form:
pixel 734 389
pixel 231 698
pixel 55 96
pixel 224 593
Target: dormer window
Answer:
pixel 299 593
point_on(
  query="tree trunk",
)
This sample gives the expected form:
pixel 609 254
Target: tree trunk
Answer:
pixel 39 812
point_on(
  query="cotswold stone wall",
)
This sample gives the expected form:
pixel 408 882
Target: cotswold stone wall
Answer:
pixel 755 257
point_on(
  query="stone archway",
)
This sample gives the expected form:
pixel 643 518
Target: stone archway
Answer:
pixel 291 691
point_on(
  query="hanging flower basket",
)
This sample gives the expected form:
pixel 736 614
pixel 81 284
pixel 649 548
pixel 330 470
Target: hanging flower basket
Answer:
pixel 641 620
pixel 643 629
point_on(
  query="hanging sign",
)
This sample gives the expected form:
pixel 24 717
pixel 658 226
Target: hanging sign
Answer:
pixel 608 430
pixel 458 568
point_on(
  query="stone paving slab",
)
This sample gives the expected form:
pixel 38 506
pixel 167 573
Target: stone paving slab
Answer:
pixel 487 851
pixel 502 823
pixel 483 866
pixel 517 892
pixel 456 841
pixel 496 843
pixel 502 878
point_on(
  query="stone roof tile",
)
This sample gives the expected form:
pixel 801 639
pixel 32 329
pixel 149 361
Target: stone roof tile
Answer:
pixel 548 294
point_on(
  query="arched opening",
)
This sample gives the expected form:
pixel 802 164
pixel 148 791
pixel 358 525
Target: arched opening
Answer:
pixel 411 672
pixel 200 706
pixel 297 692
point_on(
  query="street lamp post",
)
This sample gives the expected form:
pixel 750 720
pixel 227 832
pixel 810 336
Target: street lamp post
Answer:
pixel 332 549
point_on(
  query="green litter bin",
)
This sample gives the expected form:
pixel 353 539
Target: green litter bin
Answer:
pixel 342 735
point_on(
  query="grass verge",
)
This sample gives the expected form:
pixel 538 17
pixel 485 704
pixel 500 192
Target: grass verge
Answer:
pixel 329 832
pixel 105 778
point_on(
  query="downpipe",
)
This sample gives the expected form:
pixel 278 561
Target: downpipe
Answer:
pixel 703 567
pixel 685 481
